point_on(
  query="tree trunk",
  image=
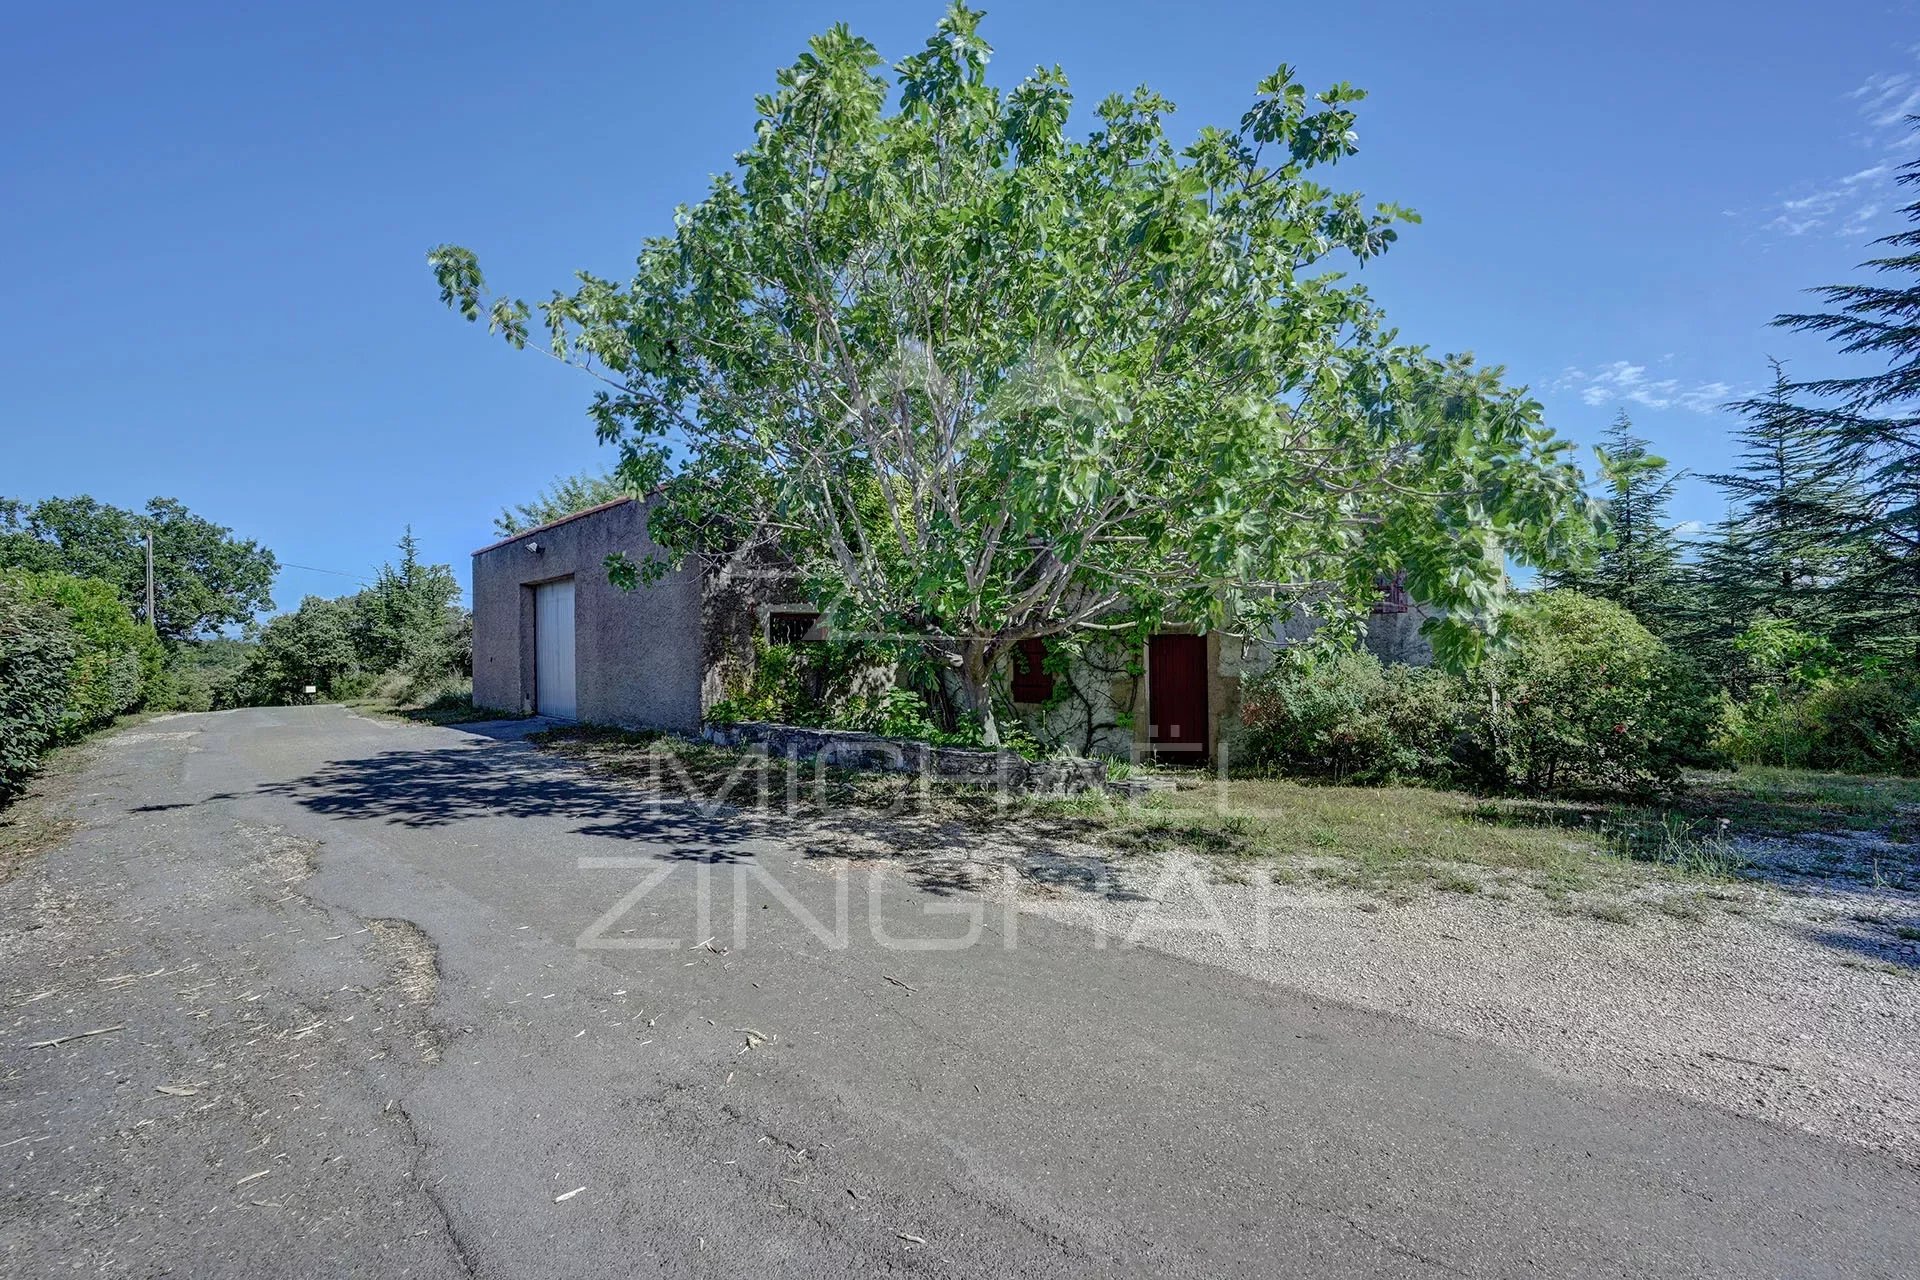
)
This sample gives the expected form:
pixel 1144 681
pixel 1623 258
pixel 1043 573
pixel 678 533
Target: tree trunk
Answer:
pixel 976 689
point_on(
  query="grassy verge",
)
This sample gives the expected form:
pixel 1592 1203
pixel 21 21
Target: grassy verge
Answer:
pixel 25 831
pixel 1768 801
pixel 448 708
pixel 1394 841
pixel 1608 860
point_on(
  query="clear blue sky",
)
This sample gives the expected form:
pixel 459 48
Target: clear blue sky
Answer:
pixel 213 218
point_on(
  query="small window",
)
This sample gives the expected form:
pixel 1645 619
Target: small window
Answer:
pixel 1393 594
pixel 1032 682
pixel 791 627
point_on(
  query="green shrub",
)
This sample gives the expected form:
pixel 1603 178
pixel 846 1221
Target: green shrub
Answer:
pixel 1343 715
pixel 117 661
pixel 205 675
pixel 856 684
pixel 37 653
pixel 1858 724
pixel 1581 695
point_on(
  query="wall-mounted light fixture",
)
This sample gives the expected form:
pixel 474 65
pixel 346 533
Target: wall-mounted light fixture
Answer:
pixel 535 548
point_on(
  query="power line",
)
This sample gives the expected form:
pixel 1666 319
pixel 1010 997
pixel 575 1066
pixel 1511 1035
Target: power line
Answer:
pixel 314 568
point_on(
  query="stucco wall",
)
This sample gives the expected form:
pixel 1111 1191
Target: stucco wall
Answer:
pixel 637 654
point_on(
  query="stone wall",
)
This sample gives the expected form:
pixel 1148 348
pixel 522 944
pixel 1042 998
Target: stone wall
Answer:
pixel 1096 701
pixel 736 590
pixel 999 770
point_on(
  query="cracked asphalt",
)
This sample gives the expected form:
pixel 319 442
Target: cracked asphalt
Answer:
pixel 374 997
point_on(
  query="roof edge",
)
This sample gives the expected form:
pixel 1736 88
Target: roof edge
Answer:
pixel 555 524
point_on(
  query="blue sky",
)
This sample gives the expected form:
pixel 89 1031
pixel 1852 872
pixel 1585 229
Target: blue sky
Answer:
pixel 214 219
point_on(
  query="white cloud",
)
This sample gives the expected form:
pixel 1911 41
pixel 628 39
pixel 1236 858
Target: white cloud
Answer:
pixel 1888 100
pixel 1818 207
pixel 1690 528
pixel 1623 382
pixel 1705 398
pixel 1847 206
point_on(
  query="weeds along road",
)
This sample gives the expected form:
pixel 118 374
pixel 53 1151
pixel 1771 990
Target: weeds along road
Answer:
pixel 307 993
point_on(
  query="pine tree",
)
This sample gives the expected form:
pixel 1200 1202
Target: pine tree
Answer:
pixel 1871 422
pixel 562 498
pixel 405 613
pixel 1638 566
pixel 1789 530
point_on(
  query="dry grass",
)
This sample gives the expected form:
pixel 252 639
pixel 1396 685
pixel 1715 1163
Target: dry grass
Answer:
pixel 1392 840
pixel 1769 801
pixel 446 709
pixel 26 831
pixel 1383 839
pixel 27 828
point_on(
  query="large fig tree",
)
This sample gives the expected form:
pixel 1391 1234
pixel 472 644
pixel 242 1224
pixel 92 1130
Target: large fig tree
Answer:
pixel 988 381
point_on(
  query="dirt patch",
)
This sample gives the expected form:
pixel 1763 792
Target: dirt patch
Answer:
pixel 411 962
pixel 37 822
pixel 289 859
pixel 26 831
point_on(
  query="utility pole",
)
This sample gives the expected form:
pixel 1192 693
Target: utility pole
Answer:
pixel 152 623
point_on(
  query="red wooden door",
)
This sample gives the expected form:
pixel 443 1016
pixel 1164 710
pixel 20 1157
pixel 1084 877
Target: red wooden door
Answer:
pixel 1177 697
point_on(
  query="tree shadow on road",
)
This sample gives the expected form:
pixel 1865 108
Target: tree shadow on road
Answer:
pixel 443 786
pixel 682 815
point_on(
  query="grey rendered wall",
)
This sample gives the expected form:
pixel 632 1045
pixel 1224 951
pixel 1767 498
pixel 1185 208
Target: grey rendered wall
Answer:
pixel 637 655
pixel 1390 637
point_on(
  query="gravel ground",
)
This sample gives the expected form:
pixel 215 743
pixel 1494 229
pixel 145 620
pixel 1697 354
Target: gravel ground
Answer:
pixel 1791 995
pixel 1794 999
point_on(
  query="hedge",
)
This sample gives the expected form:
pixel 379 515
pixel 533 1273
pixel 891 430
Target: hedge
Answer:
pixel 37 654
pixel 71 659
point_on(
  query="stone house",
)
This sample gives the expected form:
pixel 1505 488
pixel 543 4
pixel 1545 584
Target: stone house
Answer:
pixel 552 635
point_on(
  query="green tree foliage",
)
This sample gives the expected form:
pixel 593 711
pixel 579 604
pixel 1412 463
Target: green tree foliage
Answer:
pixel 204 577
pixel 1637 563
pixel 313 645
pixel 1583 695
pixel 407 626
pixel 1789 539
pixel 37 652
pixel 987 381
pixel 409 618
pixel 1873 420
pixel 560 499
pixel 209 675
pixel 1791 496
pixel 117 663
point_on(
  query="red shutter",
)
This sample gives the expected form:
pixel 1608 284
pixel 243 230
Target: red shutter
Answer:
pixel 1032 682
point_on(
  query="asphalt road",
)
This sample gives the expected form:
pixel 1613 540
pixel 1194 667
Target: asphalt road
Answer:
pixel 355 1029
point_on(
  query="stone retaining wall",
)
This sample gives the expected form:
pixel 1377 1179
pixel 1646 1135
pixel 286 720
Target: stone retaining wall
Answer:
pixel 1001 770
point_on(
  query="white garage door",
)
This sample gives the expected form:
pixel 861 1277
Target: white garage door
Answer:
pixel 553 649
